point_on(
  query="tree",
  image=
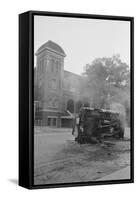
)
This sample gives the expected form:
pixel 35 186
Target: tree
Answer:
pixel 106 80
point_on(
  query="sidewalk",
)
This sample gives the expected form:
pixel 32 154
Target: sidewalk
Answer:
pixel 47 129
pixel 118 175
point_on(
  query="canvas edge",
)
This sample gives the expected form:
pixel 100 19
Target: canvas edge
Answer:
pixel 24 147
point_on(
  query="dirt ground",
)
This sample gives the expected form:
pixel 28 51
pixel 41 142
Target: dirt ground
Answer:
pixel 72 162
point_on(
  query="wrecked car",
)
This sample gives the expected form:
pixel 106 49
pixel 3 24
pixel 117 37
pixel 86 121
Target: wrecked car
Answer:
pixel 94 125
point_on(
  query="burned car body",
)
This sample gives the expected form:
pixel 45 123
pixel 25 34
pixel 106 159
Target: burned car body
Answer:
pixel 95 125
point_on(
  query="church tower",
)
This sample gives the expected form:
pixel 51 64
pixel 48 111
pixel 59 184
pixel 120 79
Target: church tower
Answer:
pixel 49 81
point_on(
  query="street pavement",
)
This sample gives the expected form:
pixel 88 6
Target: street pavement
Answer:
pixel 58 158
pixel 118 175
pixel 49 141
pixel 48 144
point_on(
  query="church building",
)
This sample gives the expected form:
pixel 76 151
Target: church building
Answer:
pixel 56 91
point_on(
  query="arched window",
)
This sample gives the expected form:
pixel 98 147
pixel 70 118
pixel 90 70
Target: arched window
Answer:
pixel 70 105
pixel 52 65
pixel 57 67
pixel 79 104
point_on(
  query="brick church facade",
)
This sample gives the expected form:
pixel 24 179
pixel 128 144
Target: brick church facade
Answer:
pixel 56 91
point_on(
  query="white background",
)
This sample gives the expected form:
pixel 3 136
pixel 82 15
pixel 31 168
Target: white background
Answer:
pixel 9 98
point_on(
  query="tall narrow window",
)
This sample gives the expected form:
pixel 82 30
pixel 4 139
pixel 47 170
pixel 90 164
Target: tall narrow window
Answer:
pixel 49 121
pixel 54 122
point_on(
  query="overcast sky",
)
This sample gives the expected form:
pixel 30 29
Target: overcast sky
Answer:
pixel 83 40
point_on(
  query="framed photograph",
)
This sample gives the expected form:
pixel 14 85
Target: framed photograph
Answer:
pixel 76 105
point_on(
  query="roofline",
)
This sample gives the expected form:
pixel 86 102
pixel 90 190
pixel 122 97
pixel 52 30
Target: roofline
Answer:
pixel 49 49
pixel 72 73
pixel 45 46
pixel 103 110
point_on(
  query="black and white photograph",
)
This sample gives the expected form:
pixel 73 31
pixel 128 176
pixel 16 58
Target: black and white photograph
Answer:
pixel 82 100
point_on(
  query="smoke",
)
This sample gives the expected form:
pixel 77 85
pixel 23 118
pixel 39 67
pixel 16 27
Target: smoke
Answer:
pixel 119 108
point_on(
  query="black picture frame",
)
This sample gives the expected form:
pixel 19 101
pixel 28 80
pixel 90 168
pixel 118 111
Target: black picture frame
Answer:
pixel 26 96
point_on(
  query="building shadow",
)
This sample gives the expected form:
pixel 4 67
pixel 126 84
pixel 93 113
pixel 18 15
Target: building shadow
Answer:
pixel 14 181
